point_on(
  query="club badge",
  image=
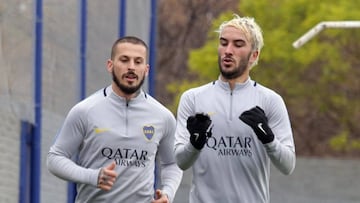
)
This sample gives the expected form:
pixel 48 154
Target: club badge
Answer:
pixel 149 132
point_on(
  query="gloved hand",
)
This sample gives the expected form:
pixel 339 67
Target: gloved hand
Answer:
pixel 257 120
pixel 198 128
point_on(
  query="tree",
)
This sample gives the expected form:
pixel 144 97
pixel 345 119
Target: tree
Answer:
pixel 319 82
pixel 182 25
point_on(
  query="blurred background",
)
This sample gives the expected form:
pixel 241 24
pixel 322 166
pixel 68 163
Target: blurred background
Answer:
pixel 53 54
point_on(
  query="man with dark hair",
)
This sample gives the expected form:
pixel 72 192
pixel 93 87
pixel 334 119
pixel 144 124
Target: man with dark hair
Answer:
pixel 116 135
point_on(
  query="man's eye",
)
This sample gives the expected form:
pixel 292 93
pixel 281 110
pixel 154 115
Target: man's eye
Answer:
pixel 138 62
pixel 239 44
pixel 223 44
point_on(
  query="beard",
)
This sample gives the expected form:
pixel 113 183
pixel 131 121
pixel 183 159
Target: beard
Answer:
pixel 237 71
pixel 125 88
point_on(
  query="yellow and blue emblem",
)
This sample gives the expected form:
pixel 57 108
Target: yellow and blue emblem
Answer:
pixel 149 132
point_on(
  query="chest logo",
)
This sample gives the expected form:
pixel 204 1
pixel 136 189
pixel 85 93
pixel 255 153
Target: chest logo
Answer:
pixel 100 130
pixel 149 132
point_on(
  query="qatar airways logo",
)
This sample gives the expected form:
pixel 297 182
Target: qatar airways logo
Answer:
pixel 231 145
pixel 126 157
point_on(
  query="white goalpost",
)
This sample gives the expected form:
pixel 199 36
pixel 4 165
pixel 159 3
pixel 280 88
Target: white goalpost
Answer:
pixel 321 26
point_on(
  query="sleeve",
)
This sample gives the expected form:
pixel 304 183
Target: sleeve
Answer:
pixel 185 153
pixel 171 174
pixel 67 143
pixel 282 150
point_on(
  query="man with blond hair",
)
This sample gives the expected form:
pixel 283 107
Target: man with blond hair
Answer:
pixel 231 129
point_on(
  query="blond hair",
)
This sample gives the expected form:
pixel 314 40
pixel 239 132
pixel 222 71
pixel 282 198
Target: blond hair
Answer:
pixel 251 29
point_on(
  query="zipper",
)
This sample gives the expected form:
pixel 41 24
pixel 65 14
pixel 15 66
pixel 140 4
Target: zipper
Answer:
pixel 231 105
pixel 127 118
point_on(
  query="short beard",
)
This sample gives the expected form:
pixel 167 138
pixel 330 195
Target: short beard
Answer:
pixel 127 89
pixel 238 71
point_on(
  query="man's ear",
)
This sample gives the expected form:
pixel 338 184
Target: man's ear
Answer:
pixel 109 66
pixel 254 56
pixel 147 70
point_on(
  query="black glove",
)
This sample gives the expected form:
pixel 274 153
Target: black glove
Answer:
pixel 257 120
pixel 198 127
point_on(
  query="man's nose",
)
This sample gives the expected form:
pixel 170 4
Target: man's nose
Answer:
pixel 131 65
pixel 229 49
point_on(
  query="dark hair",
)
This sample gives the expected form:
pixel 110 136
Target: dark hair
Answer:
pixel 127 39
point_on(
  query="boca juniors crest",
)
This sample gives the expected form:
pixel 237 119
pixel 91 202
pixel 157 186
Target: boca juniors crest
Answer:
pixel 149 132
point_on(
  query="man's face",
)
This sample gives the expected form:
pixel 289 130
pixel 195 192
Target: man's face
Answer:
pixel 129 67
pixel 235 54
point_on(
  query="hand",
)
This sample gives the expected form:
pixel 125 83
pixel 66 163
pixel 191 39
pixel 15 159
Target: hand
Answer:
pixel 107 177
pixel 198 128
pixel 257 120
pixel 160 197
